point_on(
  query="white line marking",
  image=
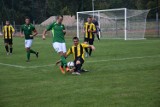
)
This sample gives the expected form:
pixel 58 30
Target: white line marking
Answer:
pixel 120 59
pixel 17 66
pixel 41 66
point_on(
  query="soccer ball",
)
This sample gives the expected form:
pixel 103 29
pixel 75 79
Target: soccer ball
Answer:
pixel 70 64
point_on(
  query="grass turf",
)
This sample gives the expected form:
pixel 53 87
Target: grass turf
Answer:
pixel 122 74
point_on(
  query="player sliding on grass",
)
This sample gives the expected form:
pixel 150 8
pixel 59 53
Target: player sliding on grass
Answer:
pixel 78 53
pixel 29 32
pixel 58 33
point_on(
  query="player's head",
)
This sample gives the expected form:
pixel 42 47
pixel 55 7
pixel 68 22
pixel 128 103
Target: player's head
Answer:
pixel 75 41
pixel 59 19
pixel 89 19
pixel 27 20
pixel 93 18
pixel 7 22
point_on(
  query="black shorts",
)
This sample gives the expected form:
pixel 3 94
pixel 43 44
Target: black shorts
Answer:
pixel 9 41
pixel 79 59
pixel 90 41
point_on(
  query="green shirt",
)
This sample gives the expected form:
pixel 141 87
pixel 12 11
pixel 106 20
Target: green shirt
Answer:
pixel 57 32
pixel 27 29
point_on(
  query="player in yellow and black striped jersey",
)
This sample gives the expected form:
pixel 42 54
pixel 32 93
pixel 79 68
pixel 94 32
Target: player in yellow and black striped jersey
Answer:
pixel 89 29
pixel 78 53
pixel 8 31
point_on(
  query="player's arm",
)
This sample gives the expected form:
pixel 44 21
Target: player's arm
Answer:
pixel 34 33
pixel 88 46
pixel 3 30
pixel 21 32
pixel 92 47
pixel 64 30
pixel 13 31
pixel 68 52
pixel 93 30
pixel 46 30
pixel 44 34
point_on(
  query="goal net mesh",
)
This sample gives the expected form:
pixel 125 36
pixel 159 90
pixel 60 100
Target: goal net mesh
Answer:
pixel 116 23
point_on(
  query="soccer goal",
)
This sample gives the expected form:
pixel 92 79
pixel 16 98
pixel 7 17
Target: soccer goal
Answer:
pixel 116 23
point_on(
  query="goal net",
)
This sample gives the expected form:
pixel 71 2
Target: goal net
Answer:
pixel 116 23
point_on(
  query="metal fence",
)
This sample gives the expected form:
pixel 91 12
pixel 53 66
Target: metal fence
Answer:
pixel 151 29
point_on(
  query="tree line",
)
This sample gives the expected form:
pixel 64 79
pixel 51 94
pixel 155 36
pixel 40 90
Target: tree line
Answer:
pixel 40 10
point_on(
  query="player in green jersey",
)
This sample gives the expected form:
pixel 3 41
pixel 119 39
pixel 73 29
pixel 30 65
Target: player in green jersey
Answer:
pixel 29 31
pixel 58 33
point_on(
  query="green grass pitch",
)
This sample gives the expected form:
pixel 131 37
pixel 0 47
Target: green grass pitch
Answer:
pixel 122 74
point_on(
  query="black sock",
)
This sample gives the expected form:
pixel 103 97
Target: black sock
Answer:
pixel 98 37
pixel 90 52
pixel 86 49
pixel 78 67
pixel 6 48
pixel 11 49
pixel 32 51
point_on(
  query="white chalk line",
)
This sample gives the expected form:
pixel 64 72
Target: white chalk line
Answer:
pixel 11 65
pixel 120 59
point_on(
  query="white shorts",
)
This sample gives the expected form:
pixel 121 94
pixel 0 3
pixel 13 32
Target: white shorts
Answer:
pixel 28 43
pixel 59 47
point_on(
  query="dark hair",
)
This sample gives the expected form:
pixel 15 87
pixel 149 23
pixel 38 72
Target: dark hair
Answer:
pixel 27 17
pixel 75 38
pixel 59 16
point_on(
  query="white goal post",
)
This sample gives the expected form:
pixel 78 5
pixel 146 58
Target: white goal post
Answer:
pixel 119 23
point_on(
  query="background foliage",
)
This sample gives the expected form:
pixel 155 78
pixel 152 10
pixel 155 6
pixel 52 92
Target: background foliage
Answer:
pixel 39 10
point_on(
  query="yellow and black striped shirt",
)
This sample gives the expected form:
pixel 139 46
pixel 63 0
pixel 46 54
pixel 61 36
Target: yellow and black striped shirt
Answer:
pixel 88 26
pixel 7 31
pixel 77 51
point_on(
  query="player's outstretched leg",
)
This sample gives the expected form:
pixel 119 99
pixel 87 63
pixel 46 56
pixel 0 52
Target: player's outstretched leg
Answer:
pixel 62 70
pixel 64 62
pixel 34 52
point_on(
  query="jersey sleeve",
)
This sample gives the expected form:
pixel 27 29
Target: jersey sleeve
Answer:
pixel 33 28
pixel 69 51
pixel 49 27
pixel 94 27
pixel 3 29
pixel 84 25
pixel 85 45
pixel 22 28
pixel 12 29
pixel 64 27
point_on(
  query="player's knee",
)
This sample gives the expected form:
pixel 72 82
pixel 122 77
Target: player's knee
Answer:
pixel 27 49
pixel 78 62
pixel 61 53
